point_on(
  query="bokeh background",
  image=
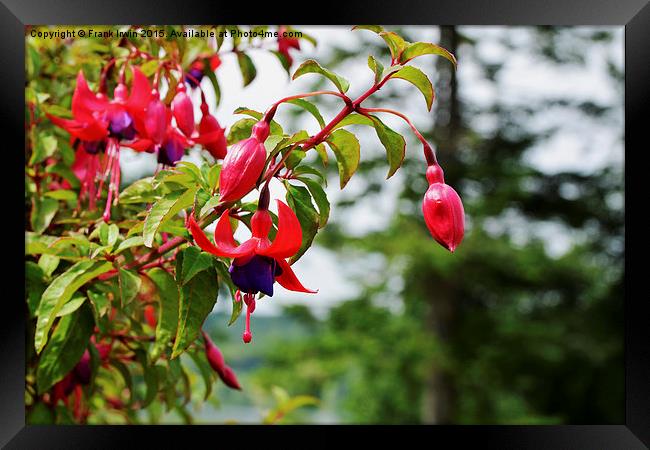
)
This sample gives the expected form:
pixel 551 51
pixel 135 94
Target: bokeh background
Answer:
pixel 524 323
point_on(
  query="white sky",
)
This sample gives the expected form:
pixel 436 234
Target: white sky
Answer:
pixel 578 145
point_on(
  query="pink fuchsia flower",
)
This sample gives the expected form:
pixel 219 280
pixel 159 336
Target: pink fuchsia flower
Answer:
pixel 183 110
pixel 257 263
pixel 99 125
pixel 285 43
pixel 243 164
pixel 218 363
pixel 443 210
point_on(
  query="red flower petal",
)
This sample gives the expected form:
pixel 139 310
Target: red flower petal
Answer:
pixel 201 239
pixel 289 237
pixel 140 92
pixel 84 101
pixel 225 242
pixel 289 280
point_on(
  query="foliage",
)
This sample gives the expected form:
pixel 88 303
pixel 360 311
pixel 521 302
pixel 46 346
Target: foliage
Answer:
pixel 117 298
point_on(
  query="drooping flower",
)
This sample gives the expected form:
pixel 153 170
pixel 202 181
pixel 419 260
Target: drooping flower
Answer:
pixel 285 43
pixel 98 127
pixel 183 111
pixel 218 363
pixel 443 210
pixel 243 164
pixel 211 135
pixel 257 263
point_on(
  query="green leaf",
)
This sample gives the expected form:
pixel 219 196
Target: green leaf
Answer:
pixel 129 283
pixel 126 375
pixel 310 108
pixel 108 234
pixel 416 77
pixel 300 170
pixel 141 191
pixel 425 48
pixel 209 205
pixel 62 194
pixel 189 262
pixel 213 80
pixel 45 147
pixel 320 198
pixel 48 263
pixel 35 284
pixel 395 43
pixel 201 362
pixel 376 28
pixel 274 127
pixel 72 305
pixel 167 310
pixel 197 299
pixel 394 144
pixel 299 200
pixel 311 66
pixel 246 67
pixel 354 119
pixel 65 349
pixel 164 209
pixel 59 292
pixel 43 211
pixel 286 65
pixel 133 241
pixel 376 67
pixel 345 146
pixel 240 130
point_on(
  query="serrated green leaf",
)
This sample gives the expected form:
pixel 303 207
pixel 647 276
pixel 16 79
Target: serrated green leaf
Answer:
pixel 65 348
pixel 240 130
pixel 167 310
pixel 345 146
pixel 164 209
pixel 418 78
pixel 59 292
pixel 425 48
pixel 311 66
pixel 197 298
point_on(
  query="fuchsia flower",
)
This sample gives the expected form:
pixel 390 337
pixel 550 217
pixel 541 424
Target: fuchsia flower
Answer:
pixel 257 263
pixel 285 43
pixel 98 126
pixel 443 210
pixel 211 135
pixel 218 363
pixel 243 164
pixel 183 110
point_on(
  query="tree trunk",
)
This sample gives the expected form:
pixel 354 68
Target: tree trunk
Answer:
pixel 440 398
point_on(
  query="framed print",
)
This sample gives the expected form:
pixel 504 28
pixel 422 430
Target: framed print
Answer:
pixel 386 219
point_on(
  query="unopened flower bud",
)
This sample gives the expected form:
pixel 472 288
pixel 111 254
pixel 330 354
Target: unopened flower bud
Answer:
pixel 443 210
pixel 183 111
pixel 243 164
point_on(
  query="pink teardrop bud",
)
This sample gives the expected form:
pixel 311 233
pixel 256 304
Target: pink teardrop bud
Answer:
pixel 183 112
pixel 217 362
pixel 243 165
pixel 443 212
pixel 155 121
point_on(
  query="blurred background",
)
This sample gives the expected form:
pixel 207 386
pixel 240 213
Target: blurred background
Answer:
pixel 524 323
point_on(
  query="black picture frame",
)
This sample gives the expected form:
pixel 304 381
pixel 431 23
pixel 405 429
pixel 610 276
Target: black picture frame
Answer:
pixel 634 15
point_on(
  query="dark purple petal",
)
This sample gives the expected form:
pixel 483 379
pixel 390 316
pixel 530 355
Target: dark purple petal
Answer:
pixel 257 275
